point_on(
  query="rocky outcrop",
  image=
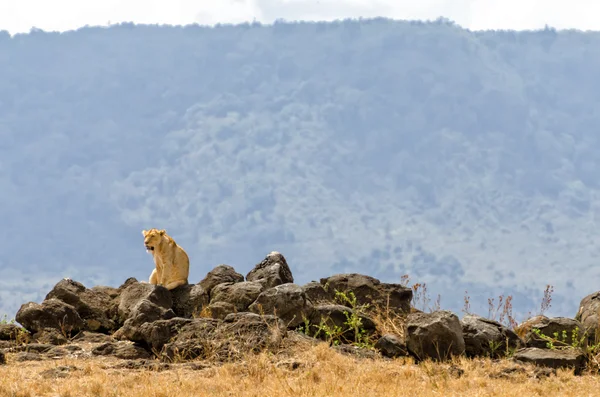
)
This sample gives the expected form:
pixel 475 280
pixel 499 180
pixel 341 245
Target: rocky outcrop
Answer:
pixel 224 317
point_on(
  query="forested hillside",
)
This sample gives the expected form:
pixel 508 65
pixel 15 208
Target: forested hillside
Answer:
pixel 468 160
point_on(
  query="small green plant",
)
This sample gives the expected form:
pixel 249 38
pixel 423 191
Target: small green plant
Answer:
pixel 336 334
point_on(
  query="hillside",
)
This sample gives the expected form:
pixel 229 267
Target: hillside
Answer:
pixel 464 159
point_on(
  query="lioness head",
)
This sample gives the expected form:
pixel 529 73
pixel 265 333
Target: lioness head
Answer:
pixel 152 238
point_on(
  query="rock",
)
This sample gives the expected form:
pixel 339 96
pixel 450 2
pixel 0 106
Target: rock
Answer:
pixel 252 332
pixel 220 275
pixel 369 290
pixel 156 334
pixel 240 295
pixel 61 351
pixel 588 316
pixel 34 347
pixel 189 300
pixel 143 364
pixel 220 310
pixel 484 337
pixel 133 293
pixel 10 331
pixel 143 312
pixel 61 371
pixel 560 328
pixel 436 335
pixel 97 309
pixel 355 351
pixel 50 336
pixel 52 313
pixel 28 356
pixel 337 317
pixel 195 339
pixel 286 301
pixel 553 358
pixel 272 271
pixel 92 337
pixel 112 293
pixel 316 293
pixel 226 340
pixel 391 346
pixel 123 350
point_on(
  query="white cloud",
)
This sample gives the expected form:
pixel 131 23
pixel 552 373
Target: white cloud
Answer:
pixel 21 15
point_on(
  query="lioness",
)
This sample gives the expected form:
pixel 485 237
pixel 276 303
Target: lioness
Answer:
pixel 172 262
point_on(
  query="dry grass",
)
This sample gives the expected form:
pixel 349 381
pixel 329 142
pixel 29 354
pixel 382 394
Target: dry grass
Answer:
pixel 321 372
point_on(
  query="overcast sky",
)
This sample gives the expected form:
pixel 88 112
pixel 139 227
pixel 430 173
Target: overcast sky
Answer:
pixel 20 15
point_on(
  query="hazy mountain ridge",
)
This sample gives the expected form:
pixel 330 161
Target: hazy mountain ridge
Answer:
pixel 465 159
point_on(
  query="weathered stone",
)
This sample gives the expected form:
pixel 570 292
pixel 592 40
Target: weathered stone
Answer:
pixel 123 350
pixel 272 271
pixel 240 295
pixel 134 293
pixel 391 346
pixel 560 329
pixel 219 275
pixel 96 309
pixel 316 293
pixel 484 337
pixel 369 291
pixel 52 313
pixel 286 301
pixel 189 300
pixel 553 358
pixel 436 335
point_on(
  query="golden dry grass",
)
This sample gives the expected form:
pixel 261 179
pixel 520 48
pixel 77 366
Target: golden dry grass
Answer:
pixel 321 372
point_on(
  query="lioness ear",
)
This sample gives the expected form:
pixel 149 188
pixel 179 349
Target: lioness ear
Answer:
pixel 162 232
pixel 144 232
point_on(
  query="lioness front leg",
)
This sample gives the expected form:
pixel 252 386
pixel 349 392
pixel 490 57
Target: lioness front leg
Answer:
pixel 175 284
pixel 154 277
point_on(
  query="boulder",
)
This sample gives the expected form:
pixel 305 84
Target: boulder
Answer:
pixel 240 295
pixel 189 300
pixel 272 271
pixel 220 275
pixel 436 335
pixel 97 309
pixel 123 350
pixel 133 293
pixel 588 314
pixel 484 337
pixel 52 313
pixel 369 290
pixel 391 346
pixel 220 310
pixel 560 329
pixel 286 301
pixel 553 358
pixel 315 292
pixel 143 312
pixel 230 339
pixel 156 334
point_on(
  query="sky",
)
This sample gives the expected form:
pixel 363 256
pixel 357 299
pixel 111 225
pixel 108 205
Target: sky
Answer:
pixel 19 16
